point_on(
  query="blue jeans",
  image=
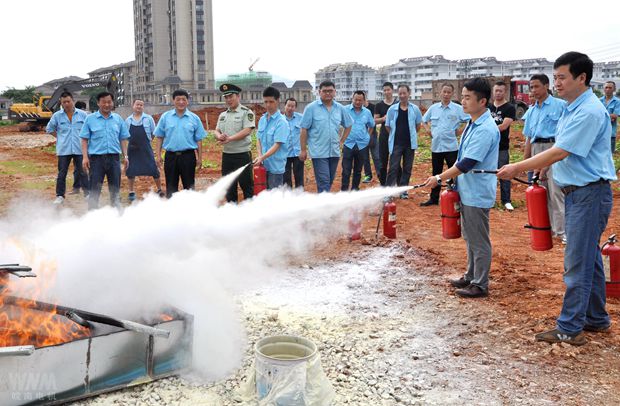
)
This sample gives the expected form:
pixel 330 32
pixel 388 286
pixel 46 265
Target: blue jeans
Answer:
pixel 587 212
pixel 274 180
pixel 324 172
pixel 352 159
pixel 104 166
pixel 80 177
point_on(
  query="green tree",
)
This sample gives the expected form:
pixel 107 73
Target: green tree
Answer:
pixel 21 95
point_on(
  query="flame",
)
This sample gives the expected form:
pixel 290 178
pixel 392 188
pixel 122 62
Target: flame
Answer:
pixel 22 321
pixel 165 317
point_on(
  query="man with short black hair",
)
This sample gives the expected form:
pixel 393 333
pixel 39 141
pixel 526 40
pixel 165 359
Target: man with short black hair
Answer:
pixel 380 115
pixel 539 130
pixel 355 149
pixel 582 167
pixel 403 124
pixel 180 132
pixel 478 151
pixel 320 135
pixel 233 131
pixel 612 104
pixel 271 138
pixel 104 136
pixel 445 119
pixel 66 125
pixel 504 113
pixel 293 164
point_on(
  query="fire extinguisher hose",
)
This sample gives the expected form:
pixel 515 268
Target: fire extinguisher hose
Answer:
pixel 536 228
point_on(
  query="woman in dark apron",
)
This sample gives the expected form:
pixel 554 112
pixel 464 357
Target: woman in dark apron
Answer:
pixel 140 151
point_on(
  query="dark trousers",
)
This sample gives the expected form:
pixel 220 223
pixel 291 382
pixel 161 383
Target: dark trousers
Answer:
pixel 177 165
pixel 80 178
pixel 104 166
pixel 325 172
pixel 352 158
pixel 373 151
pixel 294 167
pixel 613 145
pixel 384 156
pixel 438 160
pixel 504 185
pixel 232 162
pixel 405 154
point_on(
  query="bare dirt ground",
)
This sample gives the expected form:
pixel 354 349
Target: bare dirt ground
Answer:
pixel 486 344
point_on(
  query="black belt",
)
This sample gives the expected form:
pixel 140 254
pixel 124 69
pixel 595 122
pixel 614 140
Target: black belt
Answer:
pixel 549 140
pixel 571 188
pixel 187 151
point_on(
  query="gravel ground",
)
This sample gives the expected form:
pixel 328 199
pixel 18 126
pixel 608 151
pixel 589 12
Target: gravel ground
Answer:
pixel 389 334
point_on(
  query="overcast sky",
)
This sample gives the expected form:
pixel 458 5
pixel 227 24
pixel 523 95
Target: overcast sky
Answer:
pixel 49 39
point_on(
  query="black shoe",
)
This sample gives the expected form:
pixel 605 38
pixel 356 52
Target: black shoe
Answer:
pixel 472 291
pixel 161 194
pixel 75 191
pixel 556 336
pixel 459 283
pixel 594 329
pixel 429 202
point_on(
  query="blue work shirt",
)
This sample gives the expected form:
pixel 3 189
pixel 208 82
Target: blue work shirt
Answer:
pixel 180 133
pixel 445 120
pixel 362 121
pixel 323 128
pixel 104 135
pixel 293 143
pixel 480 141
pixel 583 131
pixel 414 116
pixel 67 131
pixel 145 121
pixel 541 120
pixel 272 129
pixel 613 107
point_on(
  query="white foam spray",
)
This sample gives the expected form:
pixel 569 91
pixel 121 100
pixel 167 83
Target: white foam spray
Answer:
pixel 189 251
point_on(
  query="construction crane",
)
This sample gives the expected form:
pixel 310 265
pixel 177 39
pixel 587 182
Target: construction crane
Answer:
pixel 251 68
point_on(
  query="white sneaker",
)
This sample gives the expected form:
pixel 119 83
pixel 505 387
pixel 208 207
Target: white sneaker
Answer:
pixel 509 207
pixel 59 200
pixel 564 239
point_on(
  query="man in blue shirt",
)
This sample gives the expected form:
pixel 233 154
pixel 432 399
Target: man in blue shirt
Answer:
pixel 479 150
pixel 104 136
pixel 445 119
pixel 541 122
pixel 402 123
pixel 320 135
pixel 583 167
pixel 355 149
pixel 180 132
pixel 612 104
pixel 272 136
pixel 293 163
pixel 65 125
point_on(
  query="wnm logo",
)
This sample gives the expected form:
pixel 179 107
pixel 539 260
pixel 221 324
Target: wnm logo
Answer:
pixel 28 382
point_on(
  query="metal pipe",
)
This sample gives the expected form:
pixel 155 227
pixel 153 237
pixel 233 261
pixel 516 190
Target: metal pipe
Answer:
pixel 17 350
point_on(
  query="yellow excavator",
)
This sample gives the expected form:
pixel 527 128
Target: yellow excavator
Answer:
pixel 38 113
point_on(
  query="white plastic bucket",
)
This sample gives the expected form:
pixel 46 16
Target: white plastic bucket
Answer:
pixel 281 369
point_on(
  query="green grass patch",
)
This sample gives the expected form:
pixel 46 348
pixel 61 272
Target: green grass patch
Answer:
pixel 50 149
pixel 209 164
pixel 23 168
pixel 616 157
pixel 7 122
pixel 37 184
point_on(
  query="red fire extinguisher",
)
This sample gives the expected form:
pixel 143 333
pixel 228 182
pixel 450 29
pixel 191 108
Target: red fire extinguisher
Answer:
pixel 538 217
pixel 389 219
pixel 611 263
pixel 450 204
pixel 260 179
pixel 355 225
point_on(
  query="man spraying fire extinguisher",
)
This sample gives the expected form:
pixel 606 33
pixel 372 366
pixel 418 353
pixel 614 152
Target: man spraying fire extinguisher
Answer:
pixel 582 167
pixel 479 150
